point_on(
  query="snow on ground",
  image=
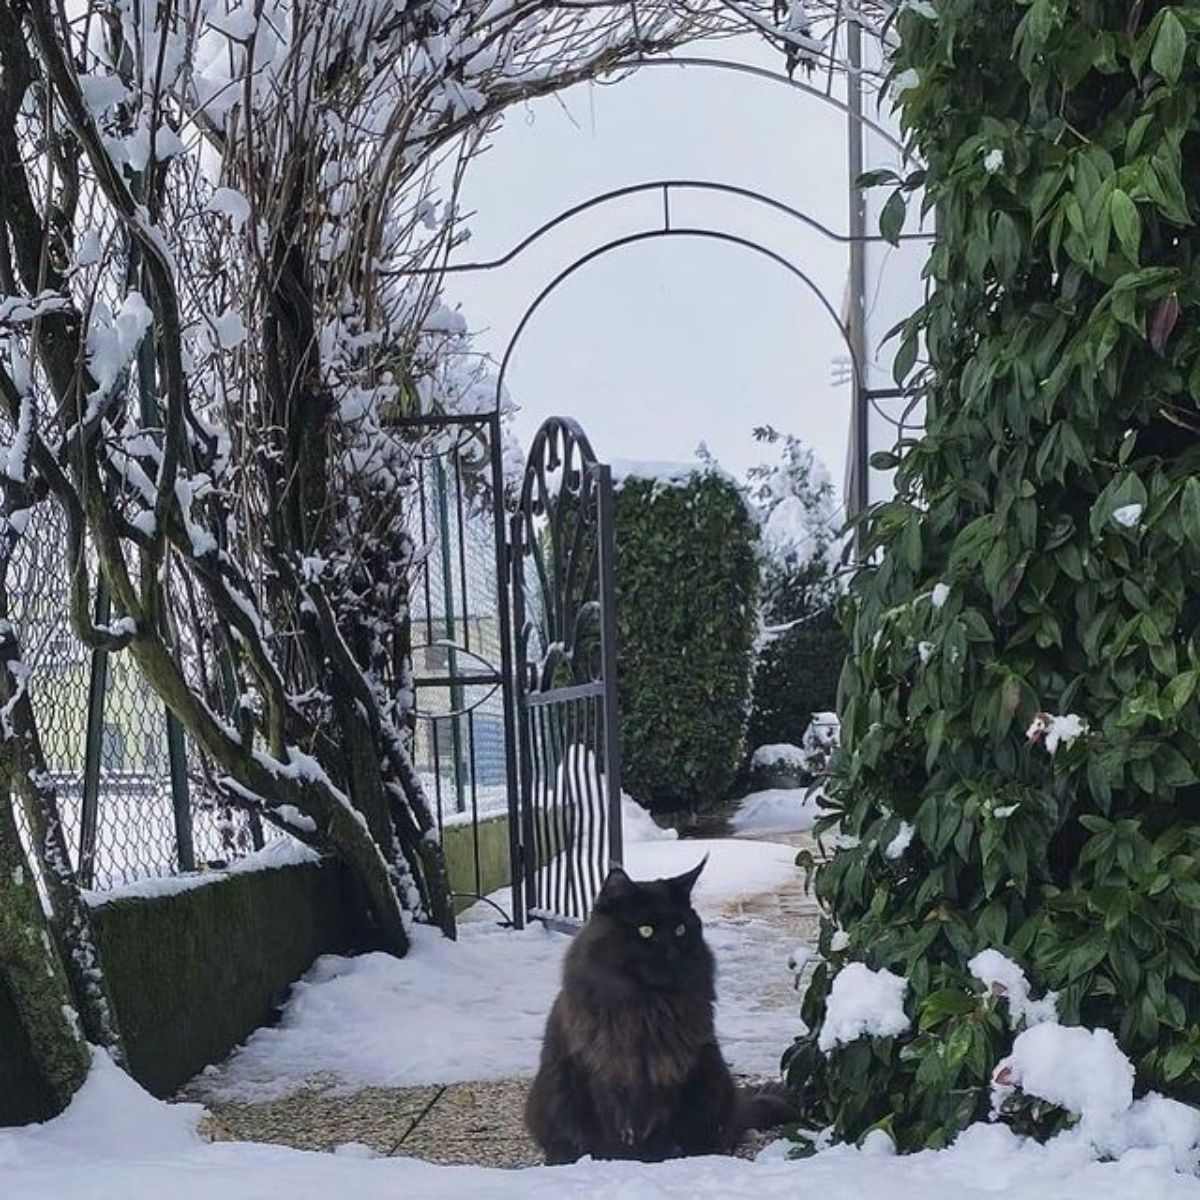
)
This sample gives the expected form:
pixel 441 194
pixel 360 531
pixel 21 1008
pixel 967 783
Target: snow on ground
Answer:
pixel 776 810
pixel 117 1143
pixel 481 1004
pixel 448 1013
pixel 735 869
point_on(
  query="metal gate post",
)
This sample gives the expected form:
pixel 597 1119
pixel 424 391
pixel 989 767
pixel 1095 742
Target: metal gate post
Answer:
pixel 606 541
pixel 504 555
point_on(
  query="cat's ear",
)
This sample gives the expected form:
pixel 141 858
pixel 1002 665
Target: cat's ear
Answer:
pixel 682 885
pixel 617 885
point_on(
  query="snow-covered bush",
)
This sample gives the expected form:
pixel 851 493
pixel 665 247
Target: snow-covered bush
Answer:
pixel 802 647
pixel 798 764
pixel 778 765
pixel 687 581
pixel 1022 688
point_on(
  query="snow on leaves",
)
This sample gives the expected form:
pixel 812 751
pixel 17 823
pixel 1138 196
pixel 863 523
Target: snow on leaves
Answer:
pixel 1053 732
pixel 863 1003
pixel 1006 981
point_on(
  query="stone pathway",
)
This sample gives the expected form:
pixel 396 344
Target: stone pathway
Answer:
pixel 459 1123
pixel 479 1123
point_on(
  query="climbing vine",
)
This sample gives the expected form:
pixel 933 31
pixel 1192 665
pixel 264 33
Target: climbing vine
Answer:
pixel 1022 687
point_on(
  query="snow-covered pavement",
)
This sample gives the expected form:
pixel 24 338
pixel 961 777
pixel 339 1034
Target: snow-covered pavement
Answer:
pixel 116 1143
pixel 475 1009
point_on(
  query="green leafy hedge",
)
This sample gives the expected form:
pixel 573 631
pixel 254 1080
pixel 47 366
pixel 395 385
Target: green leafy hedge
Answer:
pixel 796 676
pixel 687 580
pixel 1056 499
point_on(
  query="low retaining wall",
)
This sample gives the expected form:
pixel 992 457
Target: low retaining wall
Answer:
pixel 459 846
pixel 194 972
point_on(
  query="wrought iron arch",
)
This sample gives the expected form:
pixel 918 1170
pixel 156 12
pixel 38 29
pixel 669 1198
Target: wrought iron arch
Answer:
pixel 851 331
pixel 670 232
pixel 846 107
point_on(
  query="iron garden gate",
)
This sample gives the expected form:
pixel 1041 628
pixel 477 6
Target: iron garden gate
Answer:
pixel 512 651
pixel 561 553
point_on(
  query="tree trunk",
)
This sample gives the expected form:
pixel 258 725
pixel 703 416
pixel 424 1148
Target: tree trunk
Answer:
pixel 31 971
pixel 25 766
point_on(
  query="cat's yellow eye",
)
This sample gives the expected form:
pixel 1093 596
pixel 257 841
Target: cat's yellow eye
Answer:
pixel 646 931
pixel 680 930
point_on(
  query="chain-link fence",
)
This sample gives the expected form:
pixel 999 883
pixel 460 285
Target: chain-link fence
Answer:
pixel 132 793
pixel 133 804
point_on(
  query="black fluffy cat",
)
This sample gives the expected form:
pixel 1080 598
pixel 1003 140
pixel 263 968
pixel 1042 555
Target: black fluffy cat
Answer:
pixel 630 1064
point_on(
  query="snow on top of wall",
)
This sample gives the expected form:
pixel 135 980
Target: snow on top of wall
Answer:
pixel 283 852
pixel 779 752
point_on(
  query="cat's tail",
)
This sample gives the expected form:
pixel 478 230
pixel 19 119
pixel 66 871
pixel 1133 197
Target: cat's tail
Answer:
pixel 765 1106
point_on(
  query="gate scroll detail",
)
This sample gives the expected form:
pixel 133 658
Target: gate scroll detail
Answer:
pixel 561 547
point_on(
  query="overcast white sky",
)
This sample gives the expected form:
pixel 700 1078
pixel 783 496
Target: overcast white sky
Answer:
pixel 656 346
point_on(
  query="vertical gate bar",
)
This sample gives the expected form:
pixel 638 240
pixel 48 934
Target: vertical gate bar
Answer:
pixel 606 538
pixel 598 856
pixel 435 748
pixel 554 774
pixel 458 696
pixel 473 788
pixel 423 508
pixel 506 556
pixel 546 847
pixel 571 795
pixel 551 808
pixel 577 751
pixel 516 719
pixel 585 756
pixel 464 595
pixel 562 790
pixel 89 815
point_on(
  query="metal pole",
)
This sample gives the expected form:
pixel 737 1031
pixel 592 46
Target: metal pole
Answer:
pixel 860 497
pixel 606 542
pixel 181 803
pixel 507 672
pixel 93 747
pixel 456 692
pixel 529 857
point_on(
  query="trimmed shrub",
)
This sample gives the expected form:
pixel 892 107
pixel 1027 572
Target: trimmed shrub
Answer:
pixel 1023 693
pixel 796 676
pixel 797 670
pixel 687 582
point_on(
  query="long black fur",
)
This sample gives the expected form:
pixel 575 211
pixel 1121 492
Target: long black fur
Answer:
pixel 630 1064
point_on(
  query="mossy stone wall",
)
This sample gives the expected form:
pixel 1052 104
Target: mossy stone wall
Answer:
pixel 193 974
